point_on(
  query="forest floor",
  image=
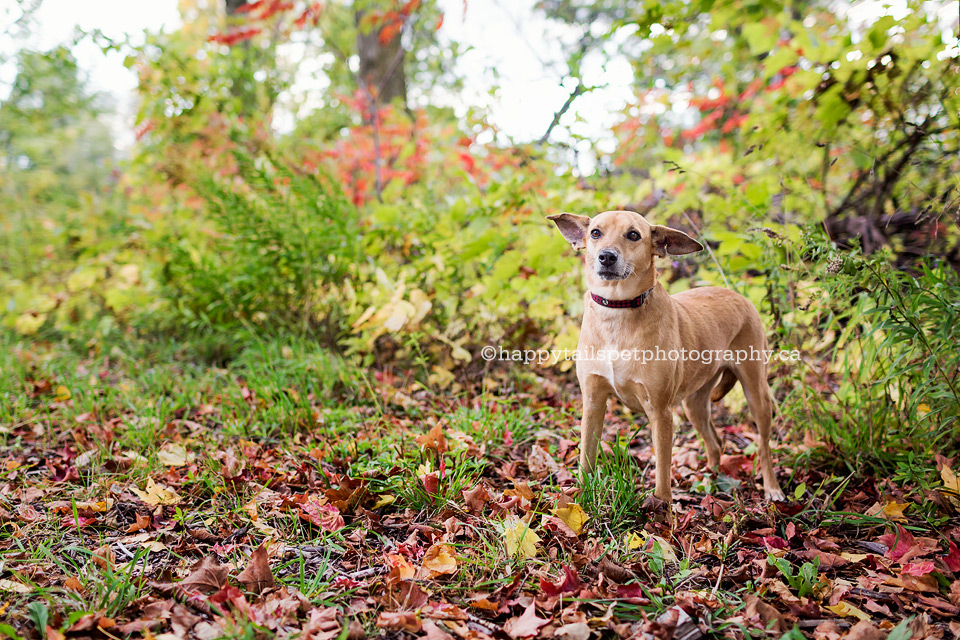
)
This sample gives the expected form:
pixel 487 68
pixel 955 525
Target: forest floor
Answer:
pixel 144 494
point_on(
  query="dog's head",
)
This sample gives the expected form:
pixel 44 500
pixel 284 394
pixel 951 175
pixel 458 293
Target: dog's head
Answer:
pixel 621 245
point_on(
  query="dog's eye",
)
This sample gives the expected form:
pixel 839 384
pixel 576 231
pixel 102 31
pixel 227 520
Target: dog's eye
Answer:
pixel 633 236
pixel 595 234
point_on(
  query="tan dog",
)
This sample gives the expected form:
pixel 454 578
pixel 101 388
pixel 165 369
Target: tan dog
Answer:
pixel 628 312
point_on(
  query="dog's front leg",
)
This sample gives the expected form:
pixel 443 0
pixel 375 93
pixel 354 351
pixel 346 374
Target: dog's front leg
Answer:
pixel 595 395
pixel 662 423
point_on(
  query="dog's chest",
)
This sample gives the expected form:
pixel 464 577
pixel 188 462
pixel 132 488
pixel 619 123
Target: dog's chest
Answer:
pixel 613 354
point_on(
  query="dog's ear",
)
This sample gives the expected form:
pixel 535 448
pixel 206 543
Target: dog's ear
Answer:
pixel 573 228
pixel 667 241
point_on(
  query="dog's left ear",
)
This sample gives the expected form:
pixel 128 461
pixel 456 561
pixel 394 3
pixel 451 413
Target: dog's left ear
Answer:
pixel 667 241
pixel 573 228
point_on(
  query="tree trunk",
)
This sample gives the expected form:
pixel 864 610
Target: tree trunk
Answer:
pixel 381 64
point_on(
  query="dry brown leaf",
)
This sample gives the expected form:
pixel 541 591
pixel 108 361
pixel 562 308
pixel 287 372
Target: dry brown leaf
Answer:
pixel 434 439
pixel 768 616
pixel 207 576
pixel 256 577
pixel 399 621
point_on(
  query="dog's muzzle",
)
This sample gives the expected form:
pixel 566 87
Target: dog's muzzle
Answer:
pixel 609 266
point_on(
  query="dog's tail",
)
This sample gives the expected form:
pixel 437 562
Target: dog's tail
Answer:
pixel 727 382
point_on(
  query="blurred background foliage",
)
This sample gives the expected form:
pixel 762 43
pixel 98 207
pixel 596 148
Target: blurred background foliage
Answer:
pixel 813 151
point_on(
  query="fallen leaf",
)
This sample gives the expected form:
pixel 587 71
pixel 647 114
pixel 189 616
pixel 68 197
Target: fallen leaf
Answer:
pixel 950 480
pixel 519 538
pixel 434 439
pixel 385 499
pixel 323 624
pixel 400 621
pixel 325 516
pixel 174 454
pixel 768 616
pixel 573 631
pixel 540 463
pixel 573 516
pixel 952 559
pixel 73 584
pixel 400 568
pixel 207 575
pixel 847 610
pixel 438 560
pixel 864 630
pixel 256 577
pixel 893 510
pixel 918 568
pixel 143 522
pixel 525 626
pixel 156 494
pixel 434 632
pixel 898 544
pixel 570 583
pixel 476 498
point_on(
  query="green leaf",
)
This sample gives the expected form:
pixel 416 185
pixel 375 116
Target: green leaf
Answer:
pixel 760 37
pixel 902 631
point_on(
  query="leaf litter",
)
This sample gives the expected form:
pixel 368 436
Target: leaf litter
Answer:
pixel 471 531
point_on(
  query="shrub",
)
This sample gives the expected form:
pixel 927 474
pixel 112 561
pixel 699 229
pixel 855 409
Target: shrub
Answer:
pixel 280 236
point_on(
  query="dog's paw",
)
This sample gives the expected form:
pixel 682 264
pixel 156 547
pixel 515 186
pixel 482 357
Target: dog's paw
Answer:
pixel 774 495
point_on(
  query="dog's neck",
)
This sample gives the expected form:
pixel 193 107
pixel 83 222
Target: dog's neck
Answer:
pixel 623 289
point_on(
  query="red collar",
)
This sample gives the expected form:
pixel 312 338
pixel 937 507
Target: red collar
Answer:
pixel 622 304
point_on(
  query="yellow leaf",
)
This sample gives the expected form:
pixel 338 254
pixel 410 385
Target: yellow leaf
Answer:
pixel 251 509
pixel 156 494
pixel 853 557
pixel 634 541
pixel 848 610
pixel 950 481
pixel 174 454
pixel 893 510
pixel 438 560
pixel 63 394
pixel 518 537
pixel 573 516
pixel 384 500
pixel 29 323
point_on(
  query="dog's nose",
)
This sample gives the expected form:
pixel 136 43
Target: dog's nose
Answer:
pixel 607 257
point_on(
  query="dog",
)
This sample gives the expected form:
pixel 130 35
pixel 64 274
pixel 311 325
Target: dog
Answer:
pixel 628 312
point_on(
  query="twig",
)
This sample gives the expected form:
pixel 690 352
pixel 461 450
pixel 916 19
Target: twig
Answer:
pixel 580 90
pixel 716 587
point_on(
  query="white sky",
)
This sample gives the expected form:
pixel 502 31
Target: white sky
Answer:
pixel 507 36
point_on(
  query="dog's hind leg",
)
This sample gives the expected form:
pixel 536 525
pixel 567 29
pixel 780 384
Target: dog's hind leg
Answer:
pixel 753 379
pixel 697 408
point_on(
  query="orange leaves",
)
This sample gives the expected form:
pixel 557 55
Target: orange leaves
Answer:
pixel 233 37
pixel 434 440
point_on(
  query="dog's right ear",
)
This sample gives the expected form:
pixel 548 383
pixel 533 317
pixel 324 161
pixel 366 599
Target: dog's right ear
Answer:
pixel 573 228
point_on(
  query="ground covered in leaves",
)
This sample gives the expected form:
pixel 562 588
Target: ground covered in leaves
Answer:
pixel 168 500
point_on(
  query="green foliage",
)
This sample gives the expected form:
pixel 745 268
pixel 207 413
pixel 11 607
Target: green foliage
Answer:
pixel 280 235
pixel 804 580
pixel 891 336
pixel 614 493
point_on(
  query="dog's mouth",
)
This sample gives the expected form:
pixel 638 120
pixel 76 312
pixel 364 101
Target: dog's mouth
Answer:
pixel 612 274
